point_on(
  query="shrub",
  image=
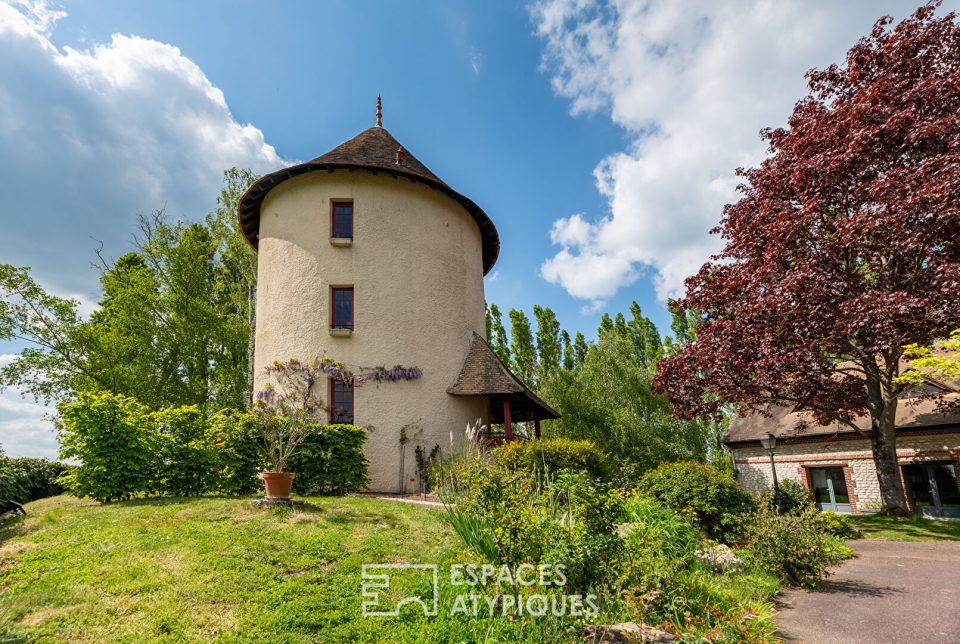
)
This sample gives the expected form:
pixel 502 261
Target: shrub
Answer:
pixel 550 456
pixel 790 546
pixel 837 550
pixel 504 501
pixel 238 454
pixel 187 456
pixel 9 489
pixel 37 478
pixel 569 521
pixel 330 460
pixel 794 497
pixel 583 538
pixel 701 493
pixel 114 441
pixel 837 525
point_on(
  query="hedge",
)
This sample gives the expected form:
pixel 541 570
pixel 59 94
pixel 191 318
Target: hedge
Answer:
pixel 124 450
pixel 330 461
pixel 36 478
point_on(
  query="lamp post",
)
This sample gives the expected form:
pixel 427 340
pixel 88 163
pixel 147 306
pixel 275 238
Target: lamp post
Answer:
pixel 769 443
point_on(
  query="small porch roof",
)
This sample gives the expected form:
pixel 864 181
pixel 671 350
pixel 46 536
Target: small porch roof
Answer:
pixel 483 374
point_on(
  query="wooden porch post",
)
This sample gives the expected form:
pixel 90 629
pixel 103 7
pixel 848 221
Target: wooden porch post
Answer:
pixel 536 427
pixel 507 426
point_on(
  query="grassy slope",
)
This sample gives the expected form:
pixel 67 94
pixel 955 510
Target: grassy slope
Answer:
pixel 214 567
pixel 914 529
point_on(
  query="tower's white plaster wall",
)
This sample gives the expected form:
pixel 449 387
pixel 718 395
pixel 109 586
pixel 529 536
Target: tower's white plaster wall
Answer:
pixel 417 271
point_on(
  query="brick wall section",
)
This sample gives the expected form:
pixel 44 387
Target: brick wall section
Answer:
pixel 853 454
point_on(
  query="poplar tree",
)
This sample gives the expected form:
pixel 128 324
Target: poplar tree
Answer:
pixel 548 342
pixel 522 350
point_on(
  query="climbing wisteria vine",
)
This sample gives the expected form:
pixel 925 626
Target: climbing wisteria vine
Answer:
pixel 337 369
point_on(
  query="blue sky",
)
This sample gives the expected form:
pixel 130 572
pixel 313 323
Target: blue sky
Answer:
pixel 601 138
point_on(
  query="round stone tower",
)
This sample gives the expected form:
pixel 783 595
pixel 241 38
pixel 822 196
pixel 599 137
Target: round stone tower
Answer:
pixel 365 255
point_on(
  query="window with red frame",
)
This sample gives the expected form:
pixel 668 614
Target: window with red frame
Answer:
pixel 341 401
pixel 341 307
pixel 341 220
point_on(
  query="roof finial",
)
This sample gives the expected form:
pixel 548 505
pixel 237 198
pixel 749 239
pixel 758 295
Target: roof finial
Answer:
pixel 379 112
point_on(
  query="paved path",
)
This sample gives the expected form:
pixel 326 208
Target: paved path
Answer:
pixel 892 592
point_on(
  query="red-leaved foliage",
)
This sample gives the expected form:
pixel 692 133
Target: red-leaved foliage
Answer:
pixel 846 243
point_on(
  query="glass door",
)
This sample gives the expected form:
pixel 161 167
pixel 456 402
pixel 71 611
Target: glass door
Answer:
pixel 945 478
pixel 830 489
pixel 933 489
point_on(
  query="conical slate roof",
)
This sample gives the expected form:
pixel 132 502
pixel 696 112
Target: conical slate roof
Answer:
pixel 373 150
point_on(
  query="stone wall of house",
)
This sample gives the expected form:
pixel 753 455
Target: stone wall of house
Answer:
pixel 853 454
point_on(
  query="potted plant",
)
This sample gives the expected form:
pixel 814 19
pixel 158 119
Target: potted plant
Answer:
pixel 287 413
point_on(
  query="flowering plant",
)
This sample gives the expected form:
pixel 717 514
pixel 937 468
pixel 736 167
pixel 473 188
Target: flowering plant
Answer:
pixel 288 412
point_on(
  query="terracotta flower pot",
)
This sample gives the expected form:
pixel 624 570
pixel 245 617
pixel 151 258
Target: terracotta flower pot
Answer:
pixel 278 484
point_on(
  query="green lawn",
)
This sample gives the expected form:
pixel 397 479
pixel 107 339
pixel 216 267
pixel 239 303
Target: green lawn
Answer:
pixel 174 569
pixel 914 529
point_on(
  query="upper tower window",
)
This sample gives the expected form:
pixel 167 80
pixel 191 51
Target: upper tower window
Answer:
pixel 341 220
pixel 341 307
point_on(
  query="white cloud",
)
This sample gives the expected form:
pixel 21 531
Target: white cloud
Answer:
pixel 91 138
pixel 24 427
pixel 692 83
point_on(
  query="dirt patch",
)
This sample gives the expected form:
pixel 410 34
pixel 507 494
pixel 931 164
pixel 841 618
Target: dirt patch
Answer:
pixel 34 619
pixel 10 552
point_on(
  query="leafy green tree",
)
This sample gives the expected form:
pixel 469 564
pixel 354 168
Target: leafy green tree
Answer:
pixel 522 349
pixel 580 347
pixel 606 326
pixel 682 323
pixel 609 400
pixel 939 362
pixel 568 357
pixel 548 342
pixel 644 336
pixel 114 441
pixel 237 269
pixel 56 359
pixel 174 326
pixel 497 334
pixel 123 352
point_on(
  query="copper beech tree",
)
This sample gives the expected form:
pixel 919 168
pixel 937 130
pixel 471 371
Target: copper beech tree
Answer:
pixel 844 247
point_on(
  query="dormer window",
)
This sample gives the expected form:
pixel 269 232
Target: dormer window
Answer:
pixel 341 220
pixel 925 388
